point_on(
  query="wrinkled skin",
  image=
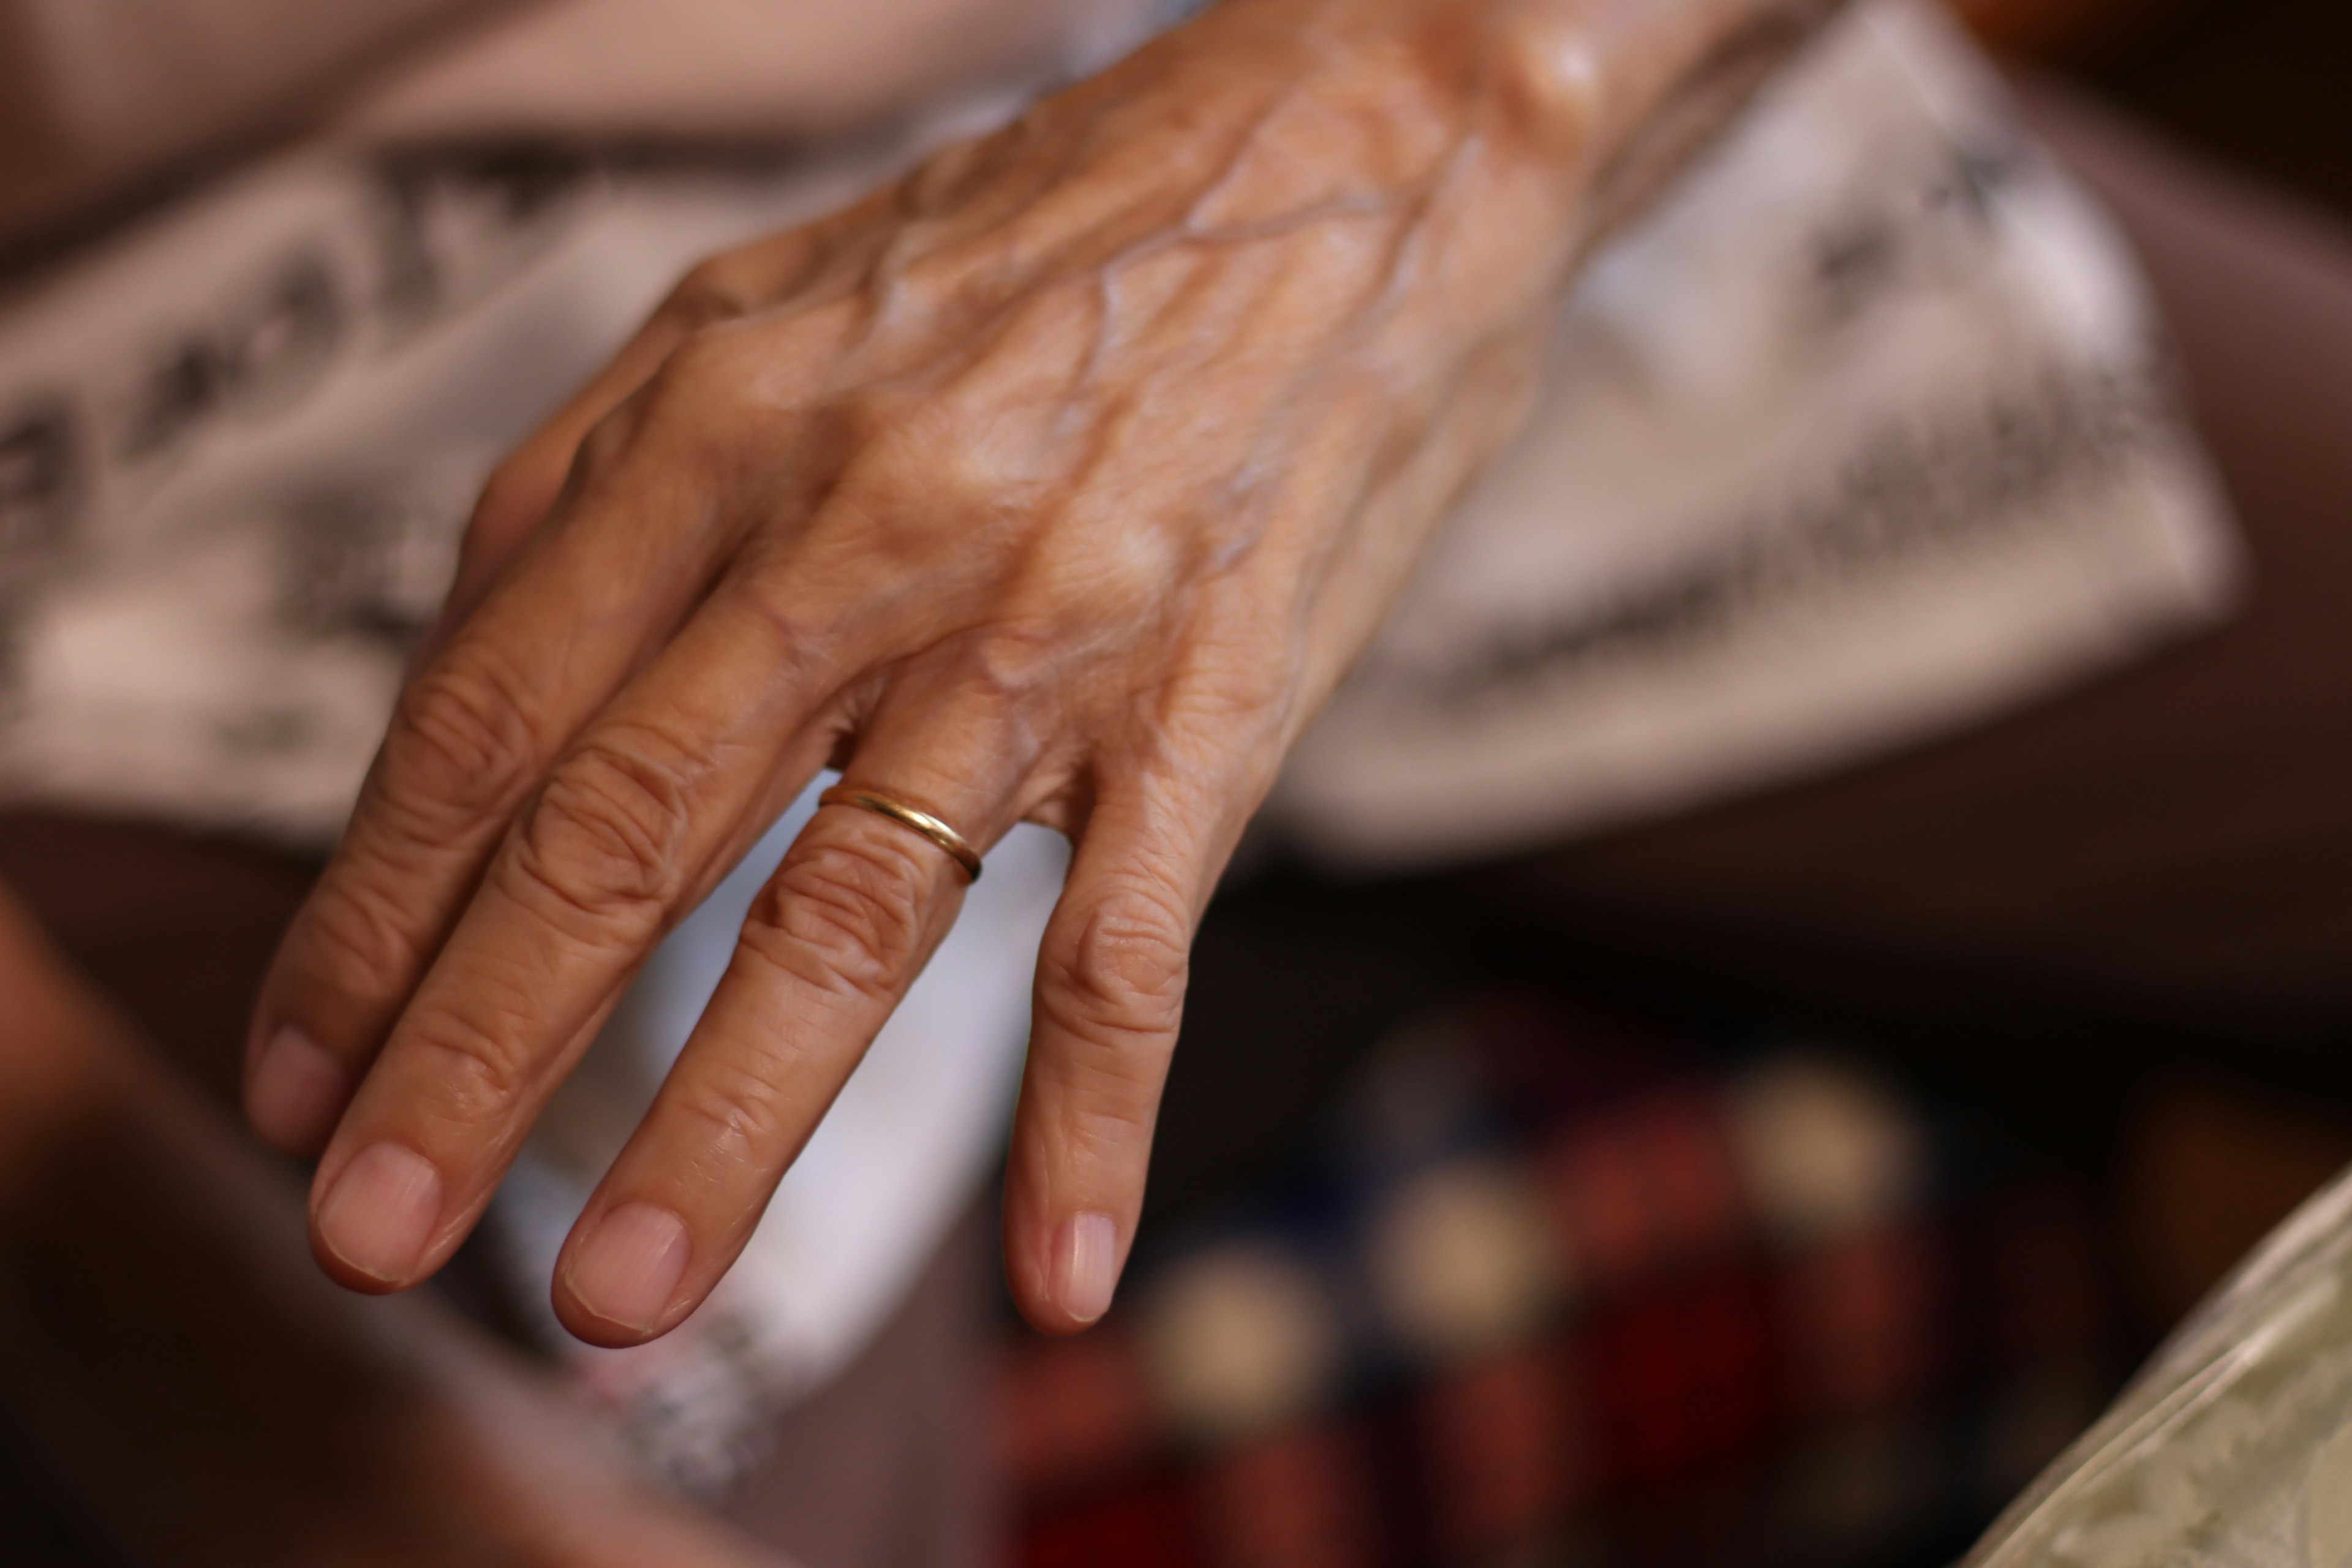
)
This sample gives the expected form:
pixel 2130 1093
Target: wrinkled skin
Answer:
pixel 1060 482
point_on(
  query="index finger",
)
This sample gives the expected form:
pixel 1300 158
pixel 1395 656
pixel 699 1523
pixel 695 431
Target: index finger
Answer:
pixel 474 734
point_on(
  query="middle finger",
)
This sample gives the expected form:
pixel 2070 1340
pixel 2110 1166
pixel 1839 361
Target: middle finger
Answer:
pixel 828 950
pixel 642 815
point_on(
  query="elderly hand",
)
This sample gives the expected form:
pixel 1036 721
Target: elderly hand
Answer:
pixel 1059 482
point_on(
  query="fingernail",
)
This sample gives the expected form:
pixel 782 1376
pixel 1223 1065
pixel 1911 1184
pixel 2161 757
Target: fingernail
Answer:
pixel 1086 1266
pixel 296 1092
pixel 628 1268
pixel 381 1212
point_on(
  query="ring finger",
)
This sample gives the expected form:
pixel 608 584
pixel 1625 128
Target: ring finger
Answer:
pixel 831 946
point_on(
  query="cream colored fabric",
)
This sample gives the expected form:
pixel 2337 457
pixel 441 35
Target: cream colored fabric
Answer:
pixel 727 70
pixel 97 95
pixel 1861 436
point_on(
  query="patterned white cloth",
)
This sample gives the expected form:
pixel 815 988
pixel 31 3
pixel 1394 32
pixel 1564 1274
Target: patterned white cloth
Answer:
pixel 1859 436
pixel 2234 1446
pixel 1862 436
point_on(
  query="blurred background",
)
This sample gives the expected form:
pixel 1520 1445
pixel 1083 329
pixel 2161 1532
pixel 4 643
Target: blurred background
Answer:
pixel 1670 1208
pixel 1784 1182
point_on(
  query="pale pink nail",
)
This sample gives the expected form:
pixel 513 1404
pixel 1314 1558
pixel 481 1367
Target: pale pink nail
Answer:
pixel 381 1211
pixel 294 1092
pixel 628 1268
pixel 1086 1266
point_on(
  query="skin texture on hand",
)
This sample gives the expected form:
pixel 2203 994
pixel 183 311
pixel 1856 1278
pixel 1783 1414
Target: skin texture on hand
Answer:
pixel 1059 482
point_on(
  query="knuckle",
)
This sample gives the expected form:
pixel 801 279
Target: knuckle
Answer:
pixel 476 1077
pixel 1231 700
pixel 465 744
pixel 1013 665
pixel 938 185
pixel 929 275
pixel 715 397
pixel 517 488
pixel 605 836
pixel 716 288
pixel 732 1110
pixel 1119 980
pixel 1136 573
pixel 708 357
pixel 883 428
pixel 940 459
pixel 609 439
pixel 357 940
pixel 1128 587
pixel 847 913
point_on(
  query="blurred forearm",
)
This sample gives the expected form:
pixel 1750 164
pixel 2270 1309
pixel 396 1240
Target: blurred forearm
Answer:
pixel 54 1053
pixel 244 1411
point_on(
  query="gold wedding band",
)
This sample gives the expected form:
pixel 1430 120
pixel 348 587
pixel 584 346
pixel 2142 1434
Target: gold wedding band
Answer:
pixel 922 822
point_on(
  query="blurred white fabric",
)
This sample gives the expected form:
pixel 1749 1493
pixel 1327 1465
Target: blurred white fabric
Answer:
pixel 1864 435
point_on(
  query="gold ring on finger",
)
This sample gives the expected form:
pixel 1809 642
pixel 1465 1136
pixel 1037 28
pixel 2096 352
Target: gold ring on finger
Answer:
pixel 959 848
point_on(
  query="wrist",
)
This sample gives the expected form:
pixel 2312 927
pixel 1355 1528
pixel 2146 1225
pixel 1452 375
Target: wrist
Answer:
pixel 1568 115
pixel 1567 81
pixel 1626 92
pixel 1580 80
